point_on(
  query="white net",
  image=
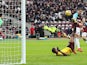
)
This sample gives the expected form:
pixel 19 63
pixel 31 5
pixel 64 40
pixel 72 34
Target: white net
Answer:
pixel 10 32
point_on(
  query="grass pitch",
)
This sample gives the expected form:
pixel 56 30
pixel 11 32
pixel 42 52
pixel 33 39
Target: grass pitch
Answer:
pixel 39 53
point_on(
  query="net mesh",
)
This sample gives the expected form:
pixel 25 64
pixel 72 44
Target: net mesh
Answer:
pixel 10 46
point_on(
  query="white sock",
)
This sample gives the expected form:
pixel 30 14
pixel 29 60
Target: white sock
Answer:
pixel 77 43
pixel 86 39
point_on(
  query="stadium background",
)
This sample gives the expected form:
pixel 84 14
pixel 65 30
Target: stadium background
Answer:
pixel 43 11
pixel 38 13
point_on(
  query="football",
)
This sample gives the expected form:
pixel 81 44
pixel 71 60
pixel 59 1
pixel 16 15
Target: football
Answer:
pixel 68 13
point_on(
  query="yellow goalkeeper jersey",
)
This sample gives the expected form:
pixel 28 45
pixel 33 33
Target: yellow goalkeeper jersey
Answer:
pixel 66 50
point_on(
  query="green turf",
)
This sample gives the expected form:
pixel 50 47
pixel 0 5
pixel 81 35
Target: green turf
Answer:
pixel 39 52
pixel 10 51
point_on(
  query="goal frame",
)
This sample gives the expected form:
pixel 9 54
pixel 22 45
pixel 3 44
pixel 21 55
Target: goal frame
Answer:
pixel 23 23
pixel 23 38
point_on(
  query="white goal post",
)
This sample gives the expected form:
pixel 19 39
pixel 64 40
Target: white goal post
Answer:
pixel 23 16
pixel 13 46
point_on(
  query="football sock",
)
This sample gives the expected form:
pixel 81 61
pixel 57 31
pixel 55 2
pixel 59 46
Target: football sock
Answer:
pixel 77 43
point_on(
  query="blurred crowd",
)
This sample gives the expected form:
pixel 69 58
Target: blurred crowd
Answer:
pixel 43 11
pixel 52 13
pixel 51 10
pixel 11 8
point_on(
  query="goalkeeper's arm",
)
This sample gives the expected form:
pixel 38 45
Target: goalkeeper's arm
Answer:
pixel 61 52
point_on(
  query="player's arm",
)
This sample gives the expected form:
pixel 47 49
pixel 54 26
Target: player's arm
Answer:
pixel 61 52
pixel 75 16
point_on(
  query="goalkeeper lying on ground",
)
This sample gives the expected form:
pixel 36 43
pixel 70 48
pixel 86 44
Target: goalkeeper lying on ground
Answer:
pixel 66 51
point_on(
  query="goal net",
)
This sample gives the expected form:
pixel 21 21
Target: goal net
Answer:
pixel 12 32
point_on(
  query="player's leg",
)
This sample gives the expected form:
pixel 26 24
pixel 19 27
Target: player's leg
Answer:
pixel 76 39
pixel 65 35
pixel 84 34
pixel 64 54
pixel 71 44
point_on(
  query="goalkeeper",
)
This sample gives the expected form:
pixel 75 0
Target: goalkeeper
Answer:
pixel 1 22
pixel 67 50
